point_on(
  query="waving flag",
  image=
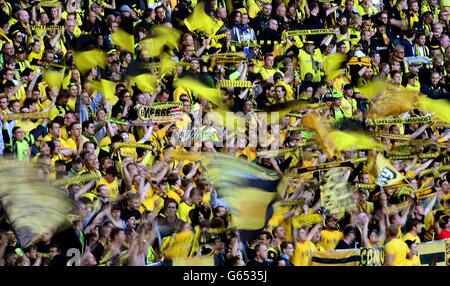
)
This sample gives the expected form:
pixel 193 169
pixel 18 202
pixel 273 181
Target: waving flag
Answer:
pixel 387 174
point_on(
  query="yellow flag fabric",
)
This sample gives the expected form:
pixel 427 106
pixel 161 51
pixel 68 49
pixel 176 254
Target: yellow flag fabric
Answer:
pixel 163 37
pixel 108 89
pixel 124 40
pixel 248 207
pixel 211 94
pixel 345 141
pixel 313 121
pixel 247 188
pixel 54 79
pixel 199 21
pixel 372 89
pixel 333 65
pixel 387 174
pixel 179 245
pixel 145 82
pixel 439 107
pixel 84 61
pixel 166 65
pixel 393 103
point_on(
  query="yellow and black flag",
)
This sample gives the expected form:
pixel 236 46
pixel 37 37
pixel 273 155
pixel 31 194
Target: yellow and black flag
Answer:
pixel 387 174
pixel 348 257
pixel 249 189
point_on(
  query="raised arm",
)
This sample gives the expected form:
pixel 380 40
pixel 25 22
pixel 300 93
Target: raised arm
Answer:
pixel 84 189
pixel 162 174
pixel 313 231
pixel 430 205
pixel 32 83
pixel 187 193
pixel 419 131
pixel 410 166
pixel 193 171
pixel 423 167
pixel 111 6
pixel 147 135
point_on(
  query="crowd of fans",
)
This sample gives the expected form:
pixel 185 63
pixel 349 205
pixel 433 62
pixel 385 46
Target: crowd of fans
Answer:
pixel 147 207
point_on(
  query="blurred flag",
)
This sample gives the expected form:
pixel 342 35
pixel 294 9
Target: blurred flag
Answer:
pixel 166 65
pixel 164 37
pixel 372 89
pixel 334 65
pixel 249 189
pixel 348 141
pixel 393 103
pixel 145 82
pixel 85 60
pixel 199 21
pixel 211 94
pixel 32 205
pixel 314 121
pixel 108 88
pixel 438 107
pixel 124 40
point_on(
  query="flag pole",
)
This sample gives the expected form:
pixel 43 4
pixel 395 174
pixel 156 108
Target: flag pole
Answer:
pixel 410 184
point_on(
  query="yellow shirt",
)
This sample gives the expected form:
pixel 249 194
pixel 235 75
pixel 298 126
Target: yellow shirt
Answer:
pixel 415 261
pixel 148 203
pixel 348 106
pixel 399 249
pixel 302 253
pixel 370 10
pixel 267 73
pixel 183 211
pixel 206 199
pixel 253 8
pixel 175 193
pixel 113 188
pixel 330 239
pixel 429 226
pixel 71 103
pixel 64 145
pixel 277 219
pixel 57 111
pixel 409 236
pixel 310 64
pixel 72 144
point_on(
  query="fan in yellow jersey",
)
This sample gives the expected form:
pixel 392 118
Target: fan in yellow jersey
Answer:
pixel 111 182
pixel 395 250
pixel 55 133
pixel 331 235
pixel 309 60
pixel 413 228
pixel 411 258
pixel 268 71
pixel 304 246
pixel 191 198
pixel 348 102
